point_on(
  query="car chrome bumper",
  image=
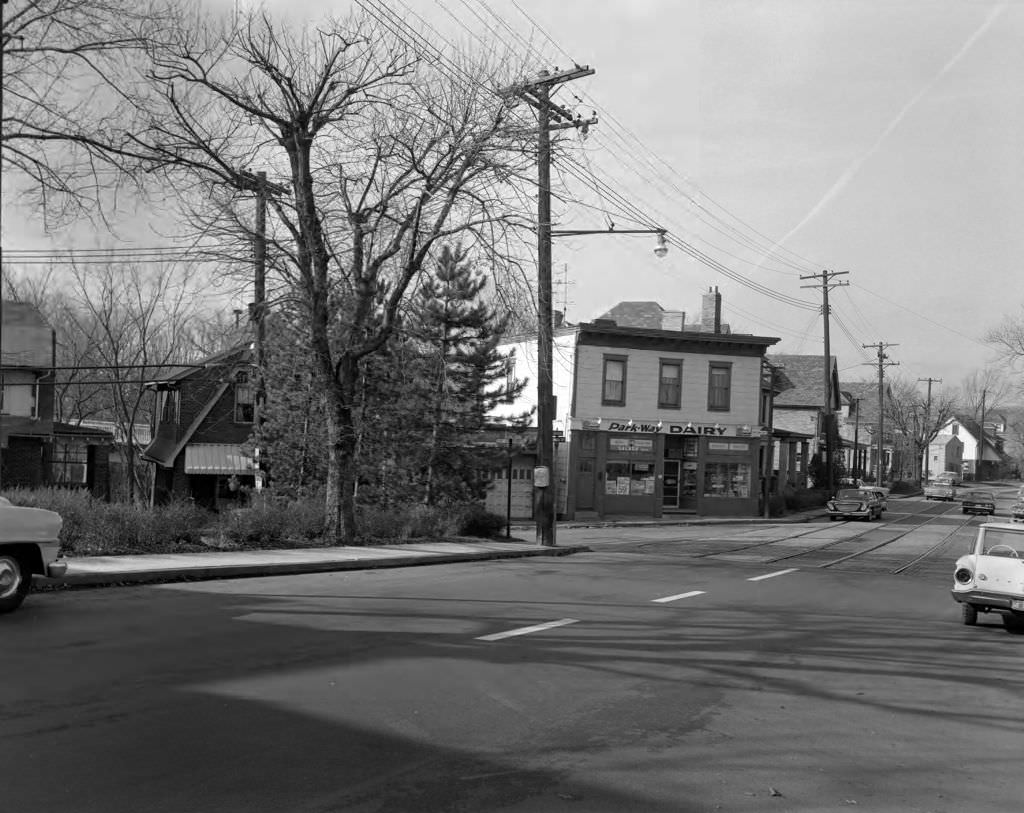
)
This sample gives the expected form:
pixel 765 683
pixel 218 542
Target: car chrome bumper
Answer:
pixel 986 598
pixel 55 570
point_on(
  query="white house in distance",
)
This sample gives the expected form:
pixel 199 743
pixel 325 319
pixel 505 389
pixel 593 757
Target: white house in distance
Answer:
pixel 654 414
pixel 972 451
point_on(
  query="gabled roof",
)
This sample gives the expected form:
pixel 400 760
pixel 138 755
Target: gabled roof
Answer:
pixel 807 375
pixel 636 314
pixel 175 374
pixel 865 393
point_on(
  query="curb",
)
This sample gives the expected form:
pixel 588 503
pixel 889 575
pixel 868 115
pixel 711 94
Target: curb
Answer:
pixel 241 571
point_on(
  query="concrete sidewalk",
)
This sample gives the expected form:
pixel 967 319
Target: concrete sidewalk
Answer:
pixel 165 567
pixel 157 567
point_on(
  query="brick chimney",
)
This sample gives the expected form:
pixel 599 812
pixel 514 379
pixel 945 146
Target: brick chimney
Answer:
pixel 673 320
pixel 711 311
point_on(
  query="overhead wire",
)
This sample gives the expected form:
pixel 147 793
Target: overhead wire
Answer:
pixel 656 180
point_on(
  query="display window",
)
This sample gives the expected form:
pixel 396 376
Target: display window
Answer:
pixel 727 480
pixel 629 479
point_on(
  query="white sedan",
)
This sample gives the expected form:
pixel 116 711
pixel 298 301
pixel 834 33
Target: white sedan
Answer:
pixel 990 579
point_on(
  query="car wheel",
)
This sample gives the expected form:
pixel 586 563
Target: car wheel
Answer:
pixel 1013 624
pixel 969 614
pixel 15 581
pixel 964 511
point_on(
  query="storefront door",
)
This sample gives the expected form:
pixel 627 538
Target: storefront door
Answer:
pixel 585 484
pixel 688 486
pixel 670 485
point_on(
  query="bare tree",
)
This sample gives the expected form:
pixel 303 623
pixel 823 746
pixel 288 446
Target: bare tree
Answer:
pixel 66 64
pixel 1008 338
pixel 916 418
pixel 378 152
pixel 117 326
pixel 983 392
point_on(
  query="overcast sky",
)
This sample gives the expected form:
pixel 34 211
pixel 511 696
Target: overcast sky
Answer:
pixel 884 138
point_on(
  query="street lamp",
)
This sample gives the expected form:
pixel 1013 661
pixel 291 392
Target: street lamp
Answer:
pixel 545 350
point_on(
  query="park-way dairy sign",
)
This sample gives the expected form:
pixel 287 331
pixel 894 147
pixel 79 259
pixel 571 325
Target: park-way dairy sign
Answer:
pixel 668 428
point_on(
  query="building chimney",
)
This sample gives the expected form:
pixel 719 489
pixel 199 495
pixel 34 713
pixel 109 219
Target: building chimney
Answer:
pixel 557 318
pixel 673 320
pixel 711 311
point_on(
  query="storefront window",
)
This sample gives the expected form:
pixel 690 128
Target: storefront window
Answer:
pixel 629 479
pixel 727 480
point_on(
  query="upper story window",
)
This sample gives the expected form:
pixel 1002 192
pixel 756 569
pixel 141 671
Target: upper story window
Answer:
pixel 20 395
pixel 719 385
pixel 956 429
pixel 245 397
pixel 764 411
pixel 613 383
pixel 170 406
pixel 670 384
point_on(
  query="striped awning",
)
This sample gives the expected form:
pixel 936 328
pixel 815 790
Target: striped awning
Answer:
pixel 216 458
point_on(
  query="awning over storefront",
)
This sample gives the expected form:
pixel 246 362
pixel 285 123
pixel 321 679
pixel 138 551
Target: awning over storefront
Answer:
pixel 216 458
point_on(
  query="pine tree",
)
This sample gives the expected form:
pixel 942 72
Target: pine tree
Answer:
pixel 462 374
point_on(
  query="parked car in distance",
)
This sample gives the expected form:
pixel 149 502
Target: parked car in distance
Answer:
pixel 881 493
pixel 855 503
pixel 990 579
pixel 942 486
pixel 1017 509
pixel 977 501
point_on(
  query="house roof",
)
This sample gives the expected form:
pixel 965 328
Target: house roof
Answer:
pixel 174 374
pixel 865 393
pixel 636 314
pixel 596 333
pixel 81 431
pixel 806 373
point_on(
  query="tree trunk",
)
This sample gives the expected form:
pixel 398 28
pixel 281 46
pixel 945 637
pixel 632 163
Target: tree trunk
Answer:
pixel 340 508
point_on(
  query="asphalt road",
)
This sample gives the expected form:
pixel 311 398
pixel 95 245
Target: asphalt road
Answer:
pixel 733 668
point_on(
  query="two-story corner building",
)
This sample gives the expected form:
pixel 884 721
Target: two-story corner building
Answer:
pixel 658 415
pixel 203 417
pixel 27 361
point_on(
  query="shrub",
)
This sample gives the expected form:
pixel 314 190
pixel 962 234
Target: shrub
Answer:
pixel 776 505
pixel 804 498
pixel 902 487
pixel 93 527
pixel 475 520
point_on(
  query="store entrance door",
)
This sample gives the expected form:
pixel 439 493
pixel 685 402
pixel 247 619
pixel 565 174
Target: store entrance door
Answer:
pixel 688 486
pixel 670 485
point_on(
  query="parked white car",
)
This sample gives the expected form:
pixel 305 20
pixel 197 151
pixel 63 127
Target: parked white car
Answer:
pixel 990 579
pixel 28 545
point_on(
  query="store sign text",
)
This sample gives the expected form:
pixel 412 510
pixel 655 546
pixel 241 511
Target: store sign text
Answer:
pixel 671 428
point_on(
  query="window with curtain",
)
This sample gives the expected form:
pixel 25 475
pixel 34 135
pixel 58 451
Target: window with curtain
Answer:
pixel 613 388
pixel 719 384
pixel 670 377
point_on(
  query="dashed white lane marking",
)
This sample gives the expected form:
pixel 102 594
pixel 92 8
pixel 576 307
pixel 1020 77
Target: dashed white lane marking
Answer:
pixel 667 599
pixel 773 575
pixel 497 636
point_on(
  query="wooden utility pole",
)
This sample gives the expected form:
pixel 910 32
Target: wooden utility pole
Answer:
pixel 981 438
pixel 882 364
pixel 928 420
pixel 826 285
pixel 537 93
pixel 856 439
